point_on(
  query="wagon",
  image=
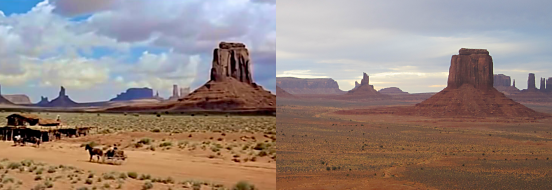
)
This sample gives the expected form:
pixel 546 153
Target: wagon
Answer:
pixel 116 157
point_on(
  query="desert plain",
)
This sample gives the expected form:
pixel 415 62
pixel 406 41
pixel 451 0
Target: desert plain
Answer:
pixel 165 151
pixel 322 148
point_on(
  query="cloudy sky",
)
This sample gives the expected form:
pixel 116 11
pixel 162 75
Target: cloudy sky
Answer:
pixel 97 49
pixel 409 44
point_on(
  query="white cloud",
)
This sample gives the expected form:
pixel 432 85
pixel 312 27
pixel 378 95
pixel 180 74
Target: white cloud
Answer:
pixel 300 74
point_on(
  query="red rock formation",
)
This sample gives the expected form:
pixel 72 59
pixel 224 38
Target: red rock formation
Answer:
pixel 393 91
pixel 514 84
pixel 542 85
pixel 4 100
pixel 549 84
pixel 308 86
pixel 501 80
pixel 43 101
pixel 18 98
pixel 134 94
pixel 502 84
pixel 531 82
pixel 471 66
pixel 230 89
pixel 231 60
pixel 175 96
pixel 365 90
pixel 62 100
pixel 470 92
pixel 281 93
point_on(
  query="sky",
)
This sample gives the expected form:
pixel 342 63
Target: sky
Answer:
pixel 98 49
pixel 409 44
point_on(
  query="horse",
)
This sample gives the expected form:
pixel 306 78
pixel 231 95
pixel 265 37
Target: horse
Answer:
pixel 34 140
pixel 18 140
pixel 58 135
pixel 94 151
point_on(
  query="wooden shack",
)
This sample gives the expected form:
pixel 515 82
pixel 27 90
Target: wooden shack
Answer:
pixel 29 125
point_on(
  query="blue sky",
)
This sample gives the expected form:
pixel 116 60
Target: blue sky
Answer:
pixel 409 44
pixel 97 49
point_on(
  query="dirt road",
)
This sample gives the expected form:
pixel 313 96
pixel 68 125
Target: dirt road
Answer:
pixel 162 164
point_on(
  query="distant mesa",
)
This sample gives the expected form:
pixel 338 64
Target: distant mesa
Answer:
pixel 62 100
pixel 179 93
pixel 4 100
pixel 294 85
pixel 470 91
pixel 393 91
pixel 365 90
pixel 502 83
pixel 281 93
pixel 43 101
pixel 18 98
pixel 134 94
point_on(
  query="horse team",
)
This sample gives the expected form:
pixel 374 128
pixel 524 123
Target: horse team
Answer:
pixel 18 140
pixel 112 154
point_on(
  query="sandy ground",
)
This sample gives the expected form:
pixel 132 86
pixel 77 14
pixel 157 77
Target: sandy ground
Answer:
pixel 163 164
pixel 320 149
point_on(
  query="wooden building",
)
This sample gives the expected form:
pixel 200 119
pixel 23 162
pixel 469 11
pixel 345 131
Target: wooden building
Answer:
pixel 29 125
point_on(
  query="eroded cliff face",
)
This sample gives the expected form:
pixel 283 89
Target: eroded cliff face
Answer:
pixel 308 86
pixel 61 101
pixel 471 66
pixel 18 98
pixel 470 91
pixel 231 60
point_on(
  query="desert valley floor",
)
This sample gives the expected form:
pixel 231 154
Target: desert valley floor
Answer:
pixel 164 152
pixel 321 149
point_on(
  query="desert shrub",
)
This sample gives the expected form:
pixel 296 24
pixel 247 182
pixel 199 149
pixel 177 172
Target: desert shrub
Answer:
pixel 82 188
pixel 51 169
pixel 168 180
pixel 106 185
pixel 27 163
pixel 145 177
pixel 261 146
pixel 156 130
pixel 109 176
pixel 39 187
pixel 39 171
pixel 147 185
pixel 146 141
pixel 7 180
pixel 164 144
pixel 243 185
pixel 48 184
pixel 14 165
pixel 132 175
pixel 90 175
pixel 88 181
pixel 123 176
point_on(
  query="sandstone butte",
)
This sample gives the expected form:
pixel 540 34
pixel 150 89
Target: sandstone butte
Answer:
pixel 230 88
pixel 470 91
pixel 61 101
pixel 281 93
pixel 365 90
